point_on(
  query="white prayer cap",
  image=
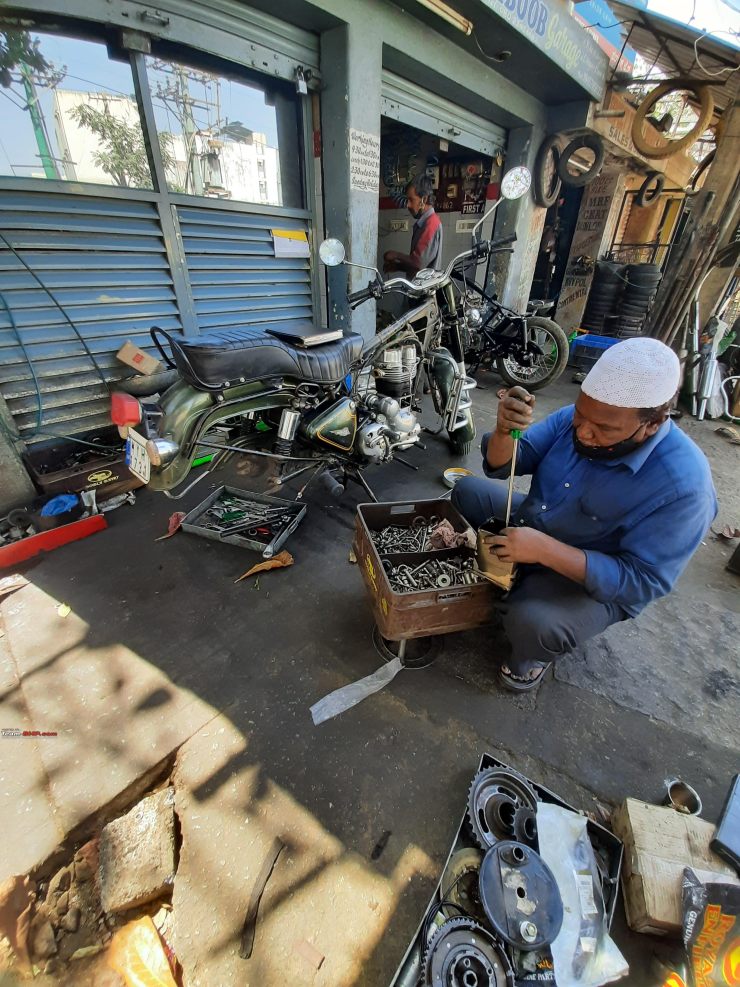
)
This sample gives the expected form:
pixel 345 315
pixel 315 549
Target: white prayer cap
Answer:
pixel 636 373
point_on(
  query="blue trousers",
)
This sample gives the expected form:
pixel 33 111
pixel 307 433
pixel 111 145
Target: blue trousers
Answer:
pixel 545 615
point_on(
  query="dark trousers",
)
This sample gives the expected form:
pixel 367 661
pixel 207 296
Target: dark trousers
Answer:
pixel 545 615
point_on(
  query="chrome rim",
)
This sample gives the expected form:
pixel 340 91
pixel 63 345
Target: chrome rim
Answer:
pixel 542 366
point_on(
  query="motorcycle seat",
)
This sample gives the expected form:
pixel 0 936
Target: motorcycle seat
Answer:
pixel 227 357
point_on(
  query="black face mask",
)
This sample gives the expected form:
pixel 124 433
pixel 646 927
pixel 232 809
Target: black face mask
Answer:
pixel 616 451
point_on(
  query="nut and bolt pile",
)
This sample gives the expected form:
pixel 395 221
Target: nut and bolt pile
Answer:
pixel 416 538
pixel 432 574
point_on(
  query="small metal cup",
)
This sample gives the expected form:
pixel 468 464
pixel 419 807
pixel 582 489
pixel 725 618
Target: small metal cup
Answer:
pixel 682 797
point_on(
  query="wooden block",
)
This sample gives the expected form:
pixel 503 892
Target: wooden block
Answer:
pixel 498 572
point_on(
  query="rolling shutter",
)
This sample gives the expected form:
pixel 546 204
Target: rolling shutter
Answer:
pixel 235 277
pixel 104 262
pixel 410 104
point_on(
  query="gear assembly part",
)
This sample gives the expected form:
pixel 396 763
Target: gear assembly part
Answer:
pixel 525 826
pixel 520 896
pixel 459 884
pixel 494 798
pixel 462 954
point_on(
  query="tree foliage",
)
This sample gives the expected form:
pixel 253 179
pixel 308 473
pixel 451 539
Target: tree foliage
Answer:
pixel 122 151
pixel 18 47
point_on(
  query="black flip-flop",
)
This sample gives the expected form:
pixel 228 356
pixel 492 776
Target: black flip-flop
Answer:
pixel 516 685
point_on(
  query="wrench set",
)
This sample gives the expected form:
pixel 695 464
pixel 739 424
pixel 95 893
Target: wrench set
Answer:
pixel 246 519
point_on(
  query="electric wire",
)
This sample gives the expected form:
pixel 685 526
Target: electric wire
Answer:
pixel 491 58
pixel 74 328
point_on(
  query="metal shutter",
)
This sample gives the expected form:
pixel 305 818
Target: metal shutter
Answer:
pixel 104 261
pixel 410 104
pixel 235 277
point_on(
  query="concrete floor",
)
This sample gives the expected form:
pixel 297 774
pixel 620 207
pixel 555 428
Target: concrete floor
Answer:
pixel 652 699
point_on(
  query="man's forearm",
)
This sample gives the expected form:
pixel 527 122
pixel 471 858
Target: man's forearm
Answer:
pixel 500 449
pixel 568 561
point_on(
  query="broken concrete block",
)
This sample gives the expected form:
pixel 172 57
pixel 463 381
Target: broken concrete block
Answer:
pixel 137 854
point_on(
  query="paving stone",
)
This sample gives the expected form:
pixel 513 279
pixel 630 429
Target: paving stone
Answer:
pixel 115 714
pixel 137 853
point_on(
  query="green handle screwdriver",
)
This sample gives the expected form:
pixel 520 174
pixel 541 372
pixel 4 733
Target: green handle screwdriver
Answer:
pixel 516 435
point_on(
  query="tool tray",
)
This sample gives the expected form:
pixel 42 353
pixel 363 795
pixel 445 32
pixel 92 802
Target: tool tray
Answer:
pixel 607 847
pixel 193 522
pixel 402 616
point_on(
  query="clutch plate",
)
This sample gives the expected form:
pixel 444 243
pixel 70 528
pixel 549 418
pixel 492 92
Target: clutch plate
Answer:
pixel 462 954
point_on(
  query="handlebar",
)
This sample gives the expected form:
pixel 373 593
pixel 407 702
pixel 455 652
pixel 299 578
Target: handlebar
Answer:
pixel 360 296
pixel 482 249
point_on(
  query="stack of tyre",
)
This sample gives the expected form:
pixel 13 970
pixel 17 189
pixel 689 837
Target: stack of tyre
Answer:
pixel 604 297
pixel 640 285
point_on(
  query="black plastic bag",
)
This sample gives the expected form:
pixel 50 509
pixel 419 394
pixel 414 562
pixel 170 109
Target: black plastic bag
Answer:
pixel 711 931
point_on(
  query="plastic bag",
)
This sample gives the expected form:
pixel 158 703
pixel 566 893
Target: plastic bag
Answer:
pixel 583 954
pixel 711 931
pixel 350 695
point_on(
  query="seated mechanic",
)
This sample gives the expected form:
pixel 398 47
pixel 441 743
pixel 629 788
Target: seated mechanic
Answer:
pixel 426 236
pixel 620 499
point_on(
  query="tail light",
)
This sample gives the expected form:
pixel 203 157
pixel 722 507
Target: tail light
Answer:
pixel 125 410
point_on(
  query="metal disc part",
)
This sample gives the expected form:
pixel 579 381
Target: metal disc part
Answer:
pixel 459 883
pixel 494 798
pixel 525 826
pixel 462 954
pixel 520 896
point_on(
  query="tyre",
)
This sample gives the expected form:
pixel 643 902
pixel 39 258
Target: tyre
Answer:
pixel 666 150
pixel 553 343
pixel 594 143
pixel 546 181
pixel 650 190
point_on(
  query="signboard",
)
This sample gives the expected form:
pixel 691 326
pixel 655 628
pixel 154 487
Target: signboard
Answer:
pixel 592 229
pixel 549 26
pixel 607 31
pixel 364 161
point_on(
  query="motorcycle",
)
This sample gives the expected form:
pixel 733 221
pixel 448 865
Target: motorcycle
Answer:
pixel 530 349
pixel 330 409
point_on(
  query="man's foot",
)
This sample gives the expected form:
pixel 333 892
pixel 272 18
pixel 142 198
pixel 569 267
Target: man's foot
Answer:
pixel 522 683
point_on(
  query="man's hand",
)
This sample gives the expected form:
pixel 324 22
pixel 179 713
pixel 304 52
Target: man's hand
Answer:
pixel 524 545
pixel 515 409
pixel 529 546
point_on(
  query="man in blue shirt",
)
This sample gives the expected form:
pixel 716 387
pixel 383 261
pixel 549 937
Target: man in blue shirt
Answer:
pixel 620 499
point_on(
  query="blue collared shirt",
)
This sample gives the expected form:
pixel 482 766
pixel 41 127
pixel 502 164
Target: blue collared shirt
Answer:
pixel 639 519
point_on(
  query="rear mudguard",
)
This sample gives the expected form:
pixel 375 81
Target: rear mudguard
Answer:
pixel 444 375
pixel 189 413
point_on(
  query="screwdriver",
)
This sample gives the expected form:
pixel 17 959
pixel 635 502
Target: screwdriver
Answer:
pixel 516 435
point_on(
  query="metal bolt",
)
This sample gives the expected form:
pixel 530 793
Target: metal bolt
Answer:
pixel 528 931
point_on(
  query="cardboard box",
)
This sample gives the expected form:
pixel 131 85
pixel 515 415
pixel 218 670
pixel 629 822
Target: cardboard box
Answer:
pixel 658 843
pixel 134 357
pixel 498 572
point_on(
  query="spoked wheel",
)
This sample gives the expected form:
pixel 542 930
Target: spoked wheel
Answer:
pixel 547 365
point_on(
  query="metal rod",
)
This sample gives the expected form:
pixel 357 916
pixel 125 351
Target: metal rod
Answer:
pixel 256 452
pixel 510 492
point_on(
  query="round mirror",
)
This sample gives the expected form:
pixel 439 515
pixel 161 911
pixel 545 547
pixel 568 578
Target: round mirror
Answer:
pixel 331 252
pixel 516 182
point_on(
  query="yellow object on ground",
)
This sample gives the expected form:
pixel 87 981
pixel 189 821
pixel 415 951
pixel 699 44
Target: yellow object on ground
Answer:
pixel 137 954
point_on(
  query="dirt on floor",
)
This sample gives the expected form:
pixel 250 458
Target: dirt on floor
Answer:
pixel 164 655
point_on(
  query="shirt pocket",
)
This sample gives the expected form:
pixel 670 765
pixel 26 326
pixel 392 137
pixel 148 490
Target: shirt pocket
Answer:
pixel 600 517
